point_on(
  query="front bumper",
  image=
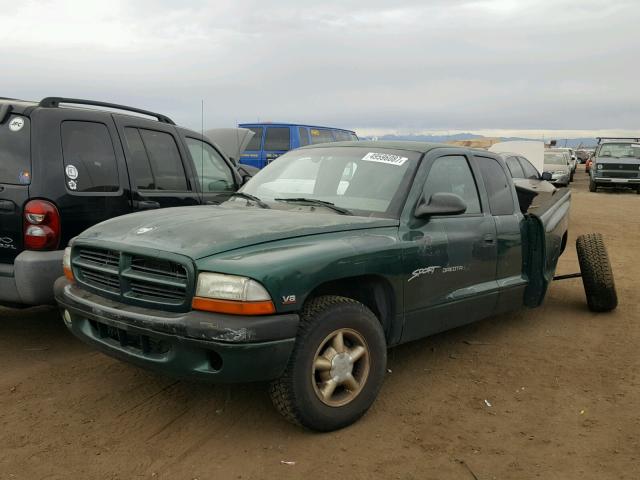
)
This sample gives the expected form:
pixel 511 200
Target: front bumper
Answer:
pixel 207 346
pixel 29 280
pixel 617 181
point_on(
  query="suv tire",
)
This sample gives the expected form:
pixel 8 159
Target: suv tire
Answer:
pixel 592 186
pixel 317 389
pixel 597 276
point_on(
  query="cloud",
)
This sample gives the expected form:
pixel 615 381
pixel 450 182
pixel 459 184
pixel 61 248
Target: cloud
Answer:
pixel 376 65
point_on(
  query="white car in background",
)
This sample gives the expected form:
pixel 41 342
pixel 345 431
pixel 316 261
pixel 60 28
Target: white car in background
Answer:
pixel 572 155
pixel 570 160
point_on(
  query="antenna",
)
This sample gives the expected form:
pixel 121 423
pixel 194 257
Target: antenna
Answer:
pixel 202 147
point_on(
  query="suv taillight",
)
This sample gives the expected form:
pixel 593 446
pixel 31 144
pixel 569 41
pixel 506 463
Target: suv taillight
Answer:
pixel 41 225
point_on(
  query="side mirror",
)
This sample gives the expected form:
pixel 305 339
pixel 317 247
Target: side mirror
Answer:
pixel 441 204
pixel 546 176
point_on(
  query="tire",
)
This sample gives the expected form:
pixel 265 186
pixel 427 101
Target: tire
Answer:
pixel 597 276
pixel 298 395
pixel 571 177
pixel 592 186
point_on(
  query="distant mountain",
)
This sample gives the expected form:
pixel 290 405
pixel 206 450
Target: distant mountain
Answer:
pixel 569 142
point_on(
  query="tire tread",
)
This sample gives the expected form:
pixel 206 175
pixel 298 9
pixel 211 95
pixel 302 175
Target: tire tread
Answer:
pixel 597 276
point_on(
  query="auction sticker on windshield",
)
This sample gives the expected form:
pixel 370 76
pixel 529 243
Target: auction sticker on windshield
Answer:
pixel 387 158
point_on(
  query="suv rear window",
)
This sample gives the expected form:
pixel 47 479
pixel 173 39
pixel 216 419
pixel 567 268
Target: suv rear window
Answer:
pixel 15 151
pixel 89 157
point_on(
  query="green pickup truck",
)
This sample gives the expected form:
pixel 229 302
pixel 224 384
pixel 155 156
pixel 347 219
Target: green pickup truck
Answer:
pixel 324 259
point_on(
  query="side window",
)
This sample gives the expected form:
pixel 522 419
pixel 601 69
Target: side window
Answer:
pixel 498 186
pixel 213 172
pixel 277 138
pixel 138 160
pixel 514 167
pixel 320 135
pixel 452 175
pixel 341 136
pixel 89 157
pixel 256 141
pixel 165 161
pixel 304 136
pixel 529 170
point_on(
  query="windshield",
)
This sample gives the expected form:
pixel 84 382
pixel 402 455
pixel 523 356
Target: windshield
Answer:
pixel 366 181
pixel 619 150
pixel 15 153
pixel 555 159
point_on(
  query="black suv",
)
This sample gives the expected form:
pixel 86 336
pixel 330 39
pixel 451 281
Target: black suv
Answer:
pixel 67 164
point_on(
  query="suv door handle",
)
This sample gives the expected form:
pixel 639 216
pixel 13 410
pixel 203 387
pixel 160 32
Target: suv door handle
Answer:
pixel 489 238
pixel 146 205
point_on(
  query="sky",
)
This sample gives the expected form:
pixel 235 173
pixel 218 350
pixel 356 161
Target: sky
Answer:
pixel 520 67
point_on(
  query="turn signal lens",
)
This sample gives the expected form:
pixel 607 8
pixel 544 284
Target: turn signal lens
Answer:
pixel 66 264
pixel 233 307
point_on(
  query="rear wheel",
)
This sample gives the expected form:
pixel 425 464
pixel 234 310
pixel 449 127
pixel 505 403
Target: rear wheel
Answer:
pixel 597 276
pixel 337 366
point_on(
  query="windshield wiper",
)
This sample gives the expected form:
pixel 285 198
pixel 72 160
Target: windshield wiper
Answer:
pixel 248 196
pixel 313 201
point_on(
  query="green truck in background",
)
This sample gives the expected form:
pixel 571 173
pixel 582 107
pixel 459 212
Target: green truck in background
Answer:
pixel 323 260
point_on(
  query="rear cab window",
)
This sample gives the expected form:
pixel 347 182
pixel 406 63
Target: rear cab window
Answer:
pixel 15 150
pixel 89 157
pixel 529 170
pixel 514 167
pixel 497 186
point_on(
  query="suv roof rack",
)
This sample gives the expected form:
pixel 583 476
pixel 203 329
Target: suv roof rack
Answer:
pixel 54 102
pixel 600 139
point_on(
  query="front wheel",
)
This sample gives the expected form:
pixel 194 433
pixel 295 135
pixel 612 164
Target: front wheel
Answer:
pixel 592 186
pixel 336 368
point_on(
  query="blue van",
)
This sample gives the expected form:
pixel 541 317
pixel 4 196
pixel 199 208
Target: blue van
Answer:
pixel 271 140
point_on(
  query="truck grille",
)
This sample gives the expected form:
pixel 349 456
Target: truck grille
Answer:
pixel 618 174
pixel 140 279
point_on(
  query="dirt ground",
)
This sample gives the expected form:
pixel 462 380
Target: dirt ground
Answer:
pixel 551 393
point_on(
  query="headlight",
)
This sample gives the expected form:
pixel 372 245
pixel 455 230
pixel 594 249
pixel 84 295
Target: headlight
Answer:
pixel 66 263
pixel 217 292
pixel 559 172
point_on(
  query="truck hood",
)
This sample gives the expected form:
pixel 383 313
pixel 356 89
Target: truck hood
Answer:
pixel 201 231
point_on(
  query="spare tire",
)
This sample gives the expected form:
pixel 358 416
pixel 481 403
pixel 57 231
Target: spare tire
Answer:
pixel 597 276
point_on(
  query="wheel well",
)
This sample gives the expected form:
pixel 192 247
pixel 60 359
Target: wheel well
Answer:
pixel 372 291
pixel 563 245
